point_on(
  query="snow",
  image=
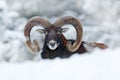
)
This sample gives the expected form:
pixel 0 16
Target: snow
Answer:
pixel 3 5
pixel 101 23
pixel 98 65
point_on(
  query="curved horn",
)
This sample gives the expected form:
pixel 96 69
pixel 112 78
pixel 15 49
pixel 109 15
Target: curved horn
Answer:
pixel 73 21
pixel 29 25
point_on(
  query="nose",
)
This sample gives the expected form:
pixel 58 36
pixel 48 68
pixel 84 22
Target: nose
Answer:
pixel 52 44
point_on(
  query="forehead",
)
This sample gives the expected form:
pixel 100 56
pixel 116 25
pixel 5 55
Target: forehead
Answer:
pixel 52 28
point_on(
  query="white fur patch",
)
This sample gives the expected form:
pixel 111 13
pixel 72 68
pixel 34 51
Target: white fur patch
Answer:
pixel 52 47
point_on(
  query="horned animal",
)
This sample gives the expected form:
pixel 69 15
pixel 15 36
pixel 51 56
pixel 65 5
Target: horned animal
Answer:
pixel 55 43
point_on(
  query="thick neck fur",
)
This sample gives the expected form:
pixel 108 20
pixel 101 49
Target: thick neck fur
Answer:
pixel 61 51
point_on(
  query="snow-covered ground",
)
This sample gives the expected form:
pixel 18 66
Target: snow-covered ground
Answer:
pixel 99 65
pixel 101 23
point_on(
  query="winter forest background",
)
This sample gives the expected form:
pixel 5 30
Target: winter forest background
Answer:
pixel 101 23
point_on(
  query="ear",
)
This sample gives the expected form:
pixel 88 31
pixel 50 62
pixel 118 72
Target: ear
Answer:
pixel 64 30
pixel 41 31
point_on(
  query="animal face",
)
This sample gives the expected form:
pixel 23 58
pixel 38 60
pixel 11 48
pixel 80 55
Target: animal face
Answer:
pixel 52 36
pixel 52 32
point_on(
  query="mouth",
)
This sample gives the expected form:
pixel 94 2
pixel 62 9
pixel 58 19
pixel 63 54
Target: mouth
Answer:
pixel 52 45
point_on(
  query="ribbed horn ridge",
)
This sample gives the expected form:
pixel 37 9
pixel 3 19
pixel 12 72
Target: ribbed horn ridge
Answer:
pixel 35 21
pixel 78 27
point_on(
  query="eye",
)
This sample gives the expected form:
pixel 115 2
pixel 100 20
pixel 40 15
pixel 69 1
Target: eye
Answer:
pixel 62 30
pixel 59 31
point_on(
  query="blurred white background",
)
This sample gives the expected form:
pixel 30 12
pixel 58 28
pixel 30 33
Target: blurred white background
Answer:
pixel 101 23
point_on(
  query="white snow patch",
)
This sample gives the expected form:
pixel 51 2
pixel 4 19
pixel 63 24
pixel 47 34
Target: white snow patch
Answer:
pixel 99 65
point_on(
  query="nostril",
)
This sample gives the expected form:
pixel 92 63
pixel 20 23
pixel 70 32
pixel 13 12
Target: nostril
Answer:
pixel 52 44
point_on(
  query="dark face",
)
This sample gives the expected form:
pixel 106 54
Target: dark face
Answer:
pixel 52 36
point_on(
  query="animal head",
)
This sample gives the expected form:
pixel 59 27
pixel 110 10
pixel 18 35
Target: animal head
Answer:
pixel 52 36
pixel 53 32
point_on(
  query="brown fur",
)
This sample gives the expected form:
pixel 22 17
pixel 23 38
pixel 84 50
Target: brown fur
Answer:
pixel 64 49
